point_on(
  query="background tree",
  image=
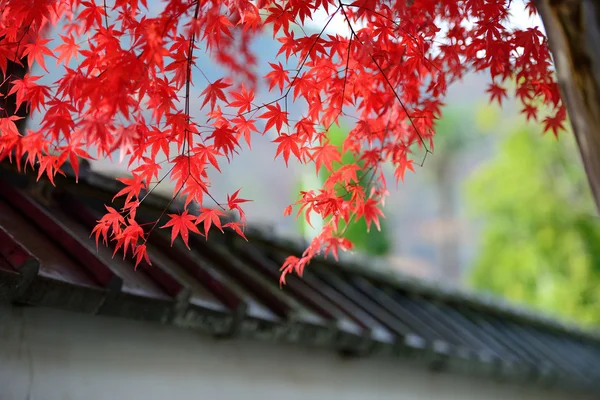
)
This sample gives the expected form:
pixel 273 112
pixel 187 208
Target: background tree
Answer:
pixel 374 242
pixel 454 131
pixel 541 240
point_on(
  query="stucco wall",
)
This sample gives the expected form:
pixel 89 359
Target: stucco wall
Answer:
pixel 51 355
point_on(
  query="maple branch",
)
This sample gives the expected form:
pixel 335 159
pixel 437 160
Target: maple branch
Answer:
pixel 187 110
pixel 341 111
pixel 346 72
pixel 298 70
pixel 202 73
pixel 206 191
pixel 414 39
pixel 149 192
pixel 284 96
pixel 105 15
pixel 185 150
pixel 310 50
pixel 353 33
pixel 162 214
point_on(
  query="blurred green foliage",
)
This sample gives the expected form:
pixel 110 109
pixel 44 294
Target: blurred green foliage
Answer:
pixel 375 242
pixel 540 244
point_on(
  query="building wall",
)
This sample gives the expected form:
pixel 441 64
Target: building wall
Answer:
pixel 52 355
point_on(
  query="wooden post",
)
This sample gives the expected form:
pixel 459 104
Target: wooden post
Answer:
pixel 573 29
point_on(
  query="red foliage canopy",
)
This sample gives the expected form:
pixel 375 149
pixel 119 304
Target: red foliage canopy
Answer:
pixel 125 86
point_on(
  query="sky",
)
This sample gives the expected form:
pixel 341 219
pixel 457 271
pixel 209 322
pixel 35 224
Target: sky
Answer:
pixel 519 19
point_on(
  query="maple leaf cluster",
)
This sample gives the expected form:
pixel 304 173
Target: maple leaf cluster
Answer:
pixel 125 87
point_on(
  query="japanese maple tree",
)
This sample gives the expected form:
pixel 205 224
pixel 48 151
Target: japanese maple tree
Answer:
pixel 125 87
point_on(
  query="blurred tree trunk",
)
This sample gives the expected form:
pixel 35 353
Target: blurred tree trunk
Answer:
pixel 448 256
pixel 573 29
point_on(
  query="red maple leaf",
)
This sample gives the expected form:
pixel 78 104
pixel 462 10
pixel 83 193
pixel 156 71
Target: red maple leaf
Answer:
pixel 36 52
pixel 275 116
pixel 326 155
pixel 214 91
pixel 21 87
pixel 67 50
pixel 51 165
pixel 224 140
pixel 287 144
pixel 530 7
pixel 181 224
pixel 554 124
pixel 372 212
pixel 237 227
pixel 141 253
pixel 210 216
pixel 497 92
pixel 208 154
pixel 133 187
pixel 233 202
pixel 92 14
pixel 245 127
pixel 530 111
pixel 112 220
pixel 128 237
pixel 243 99
pixel 335 244
pixel 279 76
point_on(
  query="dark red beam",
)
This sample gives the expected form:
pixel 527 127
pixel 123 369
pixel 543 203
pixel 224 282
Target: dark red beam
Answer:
pixel 204 277
pixel 69 204
pixel 44 221
pixel 18 267
pixel 13 252
pixel 243 277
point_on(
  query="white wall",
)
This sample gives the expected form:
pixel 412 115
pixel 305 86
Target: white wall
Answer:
pixel 51 355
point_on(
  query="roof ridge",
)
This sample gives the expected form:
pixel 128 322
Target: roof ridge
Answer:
pixel 352 262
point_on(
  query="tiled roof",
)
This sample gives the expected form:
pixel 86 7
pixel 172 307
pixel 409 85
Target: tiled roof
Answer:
pixel 227 287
